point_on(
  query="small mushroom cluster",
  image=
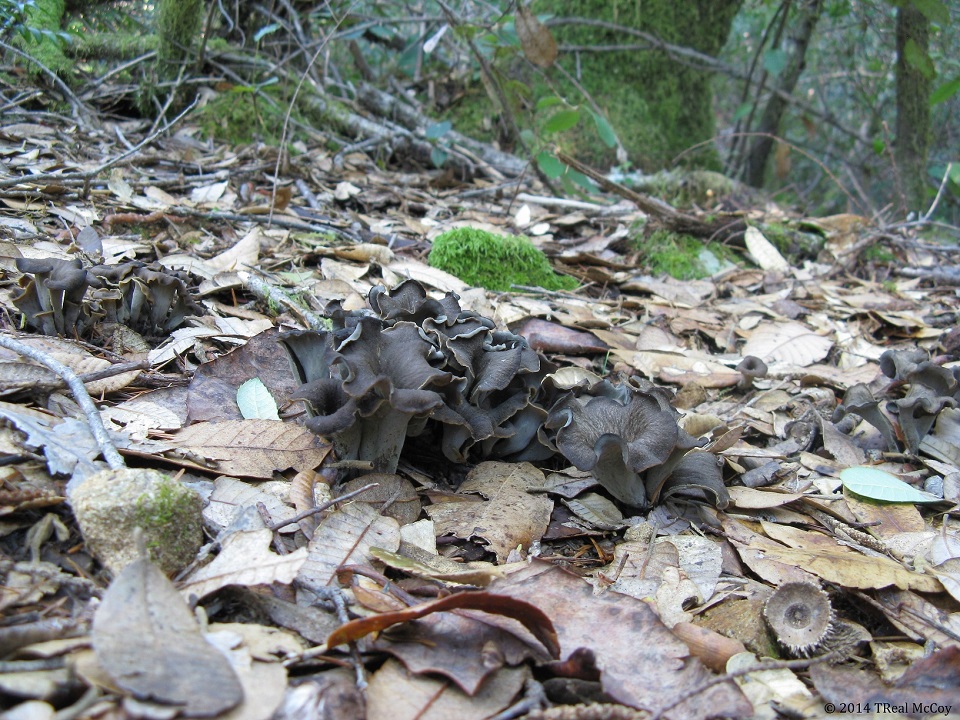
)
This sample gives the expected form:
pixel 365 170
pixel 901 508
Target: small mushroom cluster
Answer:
pixel 629 438
pixel 931 389
pixel 146 298
pixel 413 366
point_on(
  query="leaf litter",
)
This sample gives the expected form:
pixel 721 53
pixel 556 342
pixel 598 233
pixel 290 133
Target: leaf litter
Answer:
pixel 484 583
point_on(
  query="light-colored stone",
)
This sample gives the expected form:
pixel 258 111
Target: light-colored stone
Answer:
pixel 110 504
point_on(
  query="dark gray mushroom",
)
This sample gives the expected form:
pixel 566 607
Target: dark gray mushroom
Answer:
pixel 695 475
pixel 387 375
pixel 859 400
pixel 52 295
pixel 915 367
pixel 615 440
pixel 750 368
pixel 899 364
pixel 409 301
pixel 414 364
pixel 917 411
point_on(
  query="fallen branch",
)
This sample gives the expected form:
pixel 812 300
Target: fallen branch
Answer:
pixel 668 216
pixel 79 392
pixel 272 295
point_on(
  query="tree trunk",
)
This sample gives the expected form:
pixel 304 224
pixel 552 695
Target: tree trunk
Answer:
pixel 795 46
pixel 658 107
pixel 914 76
pixel 178 24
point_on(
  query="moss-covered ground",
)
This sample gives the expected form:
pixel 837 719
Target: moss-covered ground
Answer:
pixel 495 262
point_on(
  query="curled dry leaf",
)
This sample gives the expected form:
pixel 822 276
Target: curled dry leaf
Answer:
pixel 146 638
pixel 246 559
pixel 251 448
pixel 397 694
pixel 532 618
pixel 345 538
pixel 511 517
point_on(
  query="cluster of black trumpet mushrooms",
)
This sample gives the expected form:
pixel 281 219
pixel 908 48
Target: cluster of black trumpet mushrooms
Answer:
pixel 411 366
pixel 66 298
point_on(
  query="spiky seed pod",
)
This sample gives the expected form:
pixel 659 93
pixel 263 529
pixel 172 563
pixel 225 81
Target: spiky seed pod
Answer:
pixel 801 617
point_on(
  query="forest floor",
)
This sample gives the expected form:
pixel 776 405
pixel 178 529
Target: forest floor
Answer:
pixel 825 579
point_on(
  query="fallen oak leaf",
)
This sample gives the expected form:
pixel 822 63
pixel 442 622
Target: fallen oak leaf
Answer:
pixel 531 617
pixel 146 638
pixel 246 559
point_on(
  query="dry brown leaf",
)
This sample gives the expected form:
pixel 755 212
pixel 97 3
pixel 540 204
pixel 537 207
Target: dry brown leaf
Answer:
pixel 147 639
pixel 641 663
pixel 231 497
pixel 680 369
pixel 532 618
pixel 836 563
pixel 511 517
pixel 787 343
pixel 245 559
pixel 250 448
pixel 536 40
pixel 753 499
pixel 919 618
pixel 243 255
pixel 760 554
pixel 345 537
pixel 886 520
pixel 637 568
pixel 763 251
pixel 263 642
pixel 421 272
pixel 396 694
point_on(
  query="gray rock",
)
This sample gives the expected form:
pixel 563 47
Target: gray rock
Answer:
pixel 111 503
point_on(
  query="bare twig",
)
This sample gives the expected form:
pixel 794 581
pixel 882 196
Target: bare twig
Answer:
pixel 700 61
pixel 319 508
pixel 79 109
pixel 273 295
pixel 335 596
pixel 936 200
pixel 265 219
pixel 90 174
pixel 79 392
pixel 759 667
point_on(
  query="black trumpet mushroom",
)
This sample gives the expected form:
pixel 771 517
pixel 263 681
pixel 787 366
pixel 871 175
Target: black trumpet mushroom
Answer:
pixel 412 364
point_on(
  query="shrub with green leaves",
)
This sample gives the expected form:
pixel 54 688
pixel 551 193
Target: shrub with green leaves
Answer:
pixel 495 262
pixel 34 25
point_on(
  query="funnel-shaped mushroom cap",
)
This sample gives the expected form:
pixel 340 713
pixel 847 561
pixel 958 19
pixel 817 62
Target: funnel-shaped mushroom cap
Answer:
pixel 615 440
pixel 800 615
pixel 859 400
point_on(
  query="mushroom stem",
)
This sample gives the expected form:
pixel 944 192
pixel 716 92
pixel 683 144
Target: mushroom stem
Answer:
pixel 750 367
pixel 382 436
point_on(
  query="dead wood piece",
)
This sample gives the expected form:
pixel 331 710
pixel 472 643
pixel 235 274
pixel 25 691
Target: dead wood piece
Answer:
pixel 387 105
pixel 730 230
pixel 80 394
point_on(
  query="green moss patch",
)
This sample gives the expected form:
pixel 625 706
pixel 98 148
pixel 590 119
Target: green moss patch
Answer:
pixel 495 262
pixel 681 256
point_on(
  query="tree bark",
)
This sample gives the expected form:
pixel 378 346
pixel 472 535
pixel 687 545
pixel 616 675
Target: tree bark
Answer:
pixel 795 46
pixel 658 107
pixel 914 76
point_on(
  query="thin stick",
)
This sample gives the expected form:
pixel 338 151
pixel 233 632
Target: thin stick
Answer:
pixel 90 174
pixel 79 392
pixel 801 664
pixel 319 508
pixel 79 109
pixel 936 200
pixel 271 294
